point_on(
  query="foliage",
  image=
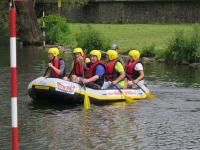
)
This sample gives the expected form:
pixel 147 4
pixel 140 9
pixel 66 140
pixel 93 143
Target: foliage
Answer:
pixel 57 30
pixel 148 51
pixel 160 54
pixel 90 39
pixel 128 36
pixel 184 47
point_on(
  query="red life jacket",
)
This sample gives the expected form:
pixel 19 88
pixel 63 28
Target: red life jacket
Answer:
pixel 130 70
pixel 92 70
pixel 111 73
pixel 78 68
pixel 56 63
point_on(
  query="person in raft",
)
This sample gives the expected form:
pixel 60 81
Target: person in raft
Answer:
pixel 56 64
pixel 78 70
pixel 115 73
pixel 116 48
pixel 134 71
pixel 96 69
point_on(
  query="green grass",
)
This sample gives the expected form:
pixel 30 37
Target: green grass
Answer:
pixel 131 36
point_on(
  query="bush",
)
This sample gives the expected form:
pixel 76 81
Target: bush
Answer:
pixel 90 39
pixel 57 30
pixel 160 54
pixel 148 51
pixel 184 48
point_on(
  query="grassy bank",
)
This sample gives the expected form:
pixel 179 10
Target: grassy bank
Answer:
pixel 129 36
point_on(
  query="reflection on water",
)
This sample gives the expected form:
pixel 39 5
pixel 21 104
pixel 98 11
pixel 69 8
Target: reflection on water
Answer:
pixel 173 75
pixel 169 122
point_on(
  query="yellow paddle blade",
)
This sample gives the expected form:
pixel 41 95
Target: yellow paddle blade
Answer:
pixel 86 102
pixel 150 95
pixel 128 99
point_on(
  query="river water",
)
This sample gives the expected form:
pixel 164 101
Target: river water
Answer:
pixel 170 122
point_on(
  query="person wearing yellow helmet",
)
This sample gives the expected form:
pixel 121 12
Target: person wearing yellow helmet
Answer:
pixel 78 65
pixel 115 73
pixel 135 70
pixel 96 71
pixel 116 48
pixel 56 64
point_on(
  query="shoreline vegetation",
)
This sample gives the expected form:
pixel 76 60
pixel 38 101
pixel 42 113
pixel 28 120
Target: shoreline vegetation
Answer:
pixel 170 43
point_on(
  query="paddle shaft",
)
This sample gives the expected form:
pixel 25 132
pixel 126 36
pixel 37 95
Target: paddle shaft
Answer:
pixel 135 83
pixel 149 94
pixel 70 73
pixel 116 86
pixel 45 73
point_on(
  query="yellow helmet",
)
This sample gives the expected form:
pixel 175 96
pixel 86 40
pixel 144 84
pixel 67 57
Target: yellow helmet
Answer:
pixel 135 54
pixel 112 54
pixel 54 51
pixel 96 53
pixel 78 50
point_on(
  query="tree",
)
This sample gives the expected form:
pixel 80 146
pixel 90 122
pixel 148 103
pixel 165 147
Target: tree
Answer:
pixel 28 29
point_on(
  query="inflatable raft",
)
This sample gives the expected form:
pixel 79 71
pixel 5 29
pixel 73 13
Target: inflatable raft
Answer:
pixel 59 90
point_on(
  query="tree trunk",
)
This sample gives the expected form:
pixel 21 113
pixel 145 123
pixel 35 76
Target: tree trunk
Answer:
pixel 27 28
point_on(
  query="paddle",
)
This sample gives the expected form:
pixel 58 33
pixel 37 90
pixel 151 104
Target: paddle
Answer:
pixel 127 98
pixel 45 73
pixel 86 99
pixel 86 102
pixel 149 94
pixel 70 73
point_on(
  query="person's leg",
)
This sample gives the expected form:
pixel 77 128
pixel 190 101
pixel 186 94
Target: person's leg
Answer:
pixel 106 85
pixel 131 85
pixel 143 86
pixel 75 78
pixel 116 86
pixel 93 86
pixel 66 78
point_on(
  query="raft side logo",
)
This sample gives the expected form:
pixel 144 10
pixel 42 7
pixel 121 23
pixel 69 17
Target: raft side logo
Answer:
pixel 65 88
pixel 117 93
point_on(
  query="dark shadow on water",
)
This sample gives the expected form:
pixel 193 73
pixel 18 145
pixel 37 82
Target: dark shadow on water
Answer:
pixel 195 110
pixel 192 100
pixel 63 106
pixel 60 106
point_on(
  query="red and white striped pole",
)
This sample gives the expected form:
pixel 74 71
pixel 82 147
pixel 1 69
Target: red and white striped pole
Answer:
pixel 13 71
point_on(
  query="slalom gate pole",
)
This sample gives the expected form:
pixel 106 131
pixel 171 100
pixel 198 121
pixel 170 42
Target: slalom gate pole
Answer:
pixel 43 25
pixel 13 77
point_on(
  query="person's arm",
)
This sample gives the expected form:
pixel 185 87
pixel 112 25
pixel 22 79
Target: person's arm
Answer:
pixel 139 68
pixel 58 71
pixel 87 65
pixel 99 72
pixel 62 67
pixel 119 68
pixel 140 77
pixel 121 77
pixel 94 78
pixel 87 61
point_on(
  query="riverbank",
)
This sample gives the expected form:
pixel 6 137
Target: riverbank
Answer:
pixel 130 36
pixel 177 43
